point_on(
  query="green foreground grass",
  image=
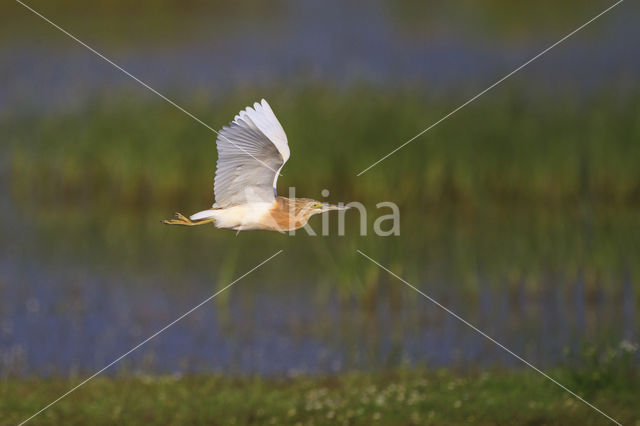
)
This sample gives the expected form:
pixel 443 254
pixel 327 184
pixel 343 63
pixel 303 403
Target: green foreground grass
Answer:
pixel 401 397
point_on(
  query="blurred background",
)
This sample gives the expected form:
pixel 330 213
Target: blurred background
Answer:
pixel 520 212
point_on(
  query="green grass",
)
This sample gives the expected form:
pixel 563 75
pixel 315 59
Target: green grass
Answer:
pixel 606 376
pixel 399 397
pixel 517 185
pixel 510 149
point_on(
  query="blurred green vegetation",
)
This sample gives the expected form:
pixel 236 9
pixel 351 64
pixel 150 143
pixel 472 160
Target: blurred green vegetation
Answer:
pixel 501 21
pixel 119 23
pixel 522 191
pixel 514 188
pixel 400 396
pixel 507 150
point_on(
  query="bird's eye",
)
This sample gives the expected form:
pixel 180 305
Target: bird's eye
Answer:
pixel 316 205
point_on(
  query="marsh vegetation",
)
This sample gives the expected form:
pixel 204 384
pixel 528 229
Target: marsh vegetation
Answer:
pixel 521 213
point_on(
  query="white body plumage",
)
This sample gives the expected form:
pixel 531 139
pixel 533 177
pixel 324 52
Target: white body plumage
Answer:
pixel 243 217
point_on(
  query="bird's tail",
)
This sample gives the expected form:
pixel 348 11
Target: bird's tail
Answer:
pixel 205 214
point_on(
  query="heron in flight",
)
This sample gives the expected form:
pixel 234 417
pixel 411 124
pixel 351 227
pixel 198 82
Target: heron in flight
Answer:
pixel 252 150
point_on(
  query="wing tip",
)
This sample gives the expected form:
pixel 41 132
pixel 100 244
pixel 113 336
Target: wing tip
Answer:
pixel 255 108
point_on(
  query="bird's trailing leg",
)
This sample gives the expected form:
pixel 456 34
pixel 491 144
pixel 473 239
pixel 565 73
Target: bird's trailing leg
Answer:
pixel 185 221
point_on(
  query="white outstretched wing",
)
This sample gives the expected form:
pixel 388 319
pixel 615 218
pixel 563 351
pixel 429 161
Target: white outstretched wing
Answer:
pixel 251 152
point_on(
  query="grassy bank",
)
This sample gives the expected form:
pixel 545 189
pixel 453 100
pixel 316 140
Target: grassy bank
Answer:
pixel 401 397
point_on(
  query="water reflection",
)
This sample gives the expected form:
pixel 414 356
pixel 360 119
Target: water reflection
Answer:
pixel 318 307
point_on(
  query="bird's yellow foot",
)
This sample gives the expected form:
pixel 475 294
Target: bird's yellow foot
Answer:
pixel 179 220
pixel 185 221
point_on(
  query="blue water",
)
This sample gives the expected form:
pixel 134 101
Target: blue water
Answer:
pixel 58 319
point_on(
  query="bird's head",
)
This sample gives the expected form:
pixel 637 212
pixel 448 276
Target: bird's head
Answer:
pixel 304 208
pixel 312 207
pixel 293 213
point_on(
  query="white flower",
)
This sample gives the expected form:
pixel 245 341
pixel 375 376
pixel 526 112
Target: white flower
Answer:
pixel 627 346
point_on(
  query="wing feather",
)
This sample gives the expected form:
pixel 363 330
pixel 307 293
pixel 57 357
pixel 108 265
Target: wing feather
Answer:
pixel 251 152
